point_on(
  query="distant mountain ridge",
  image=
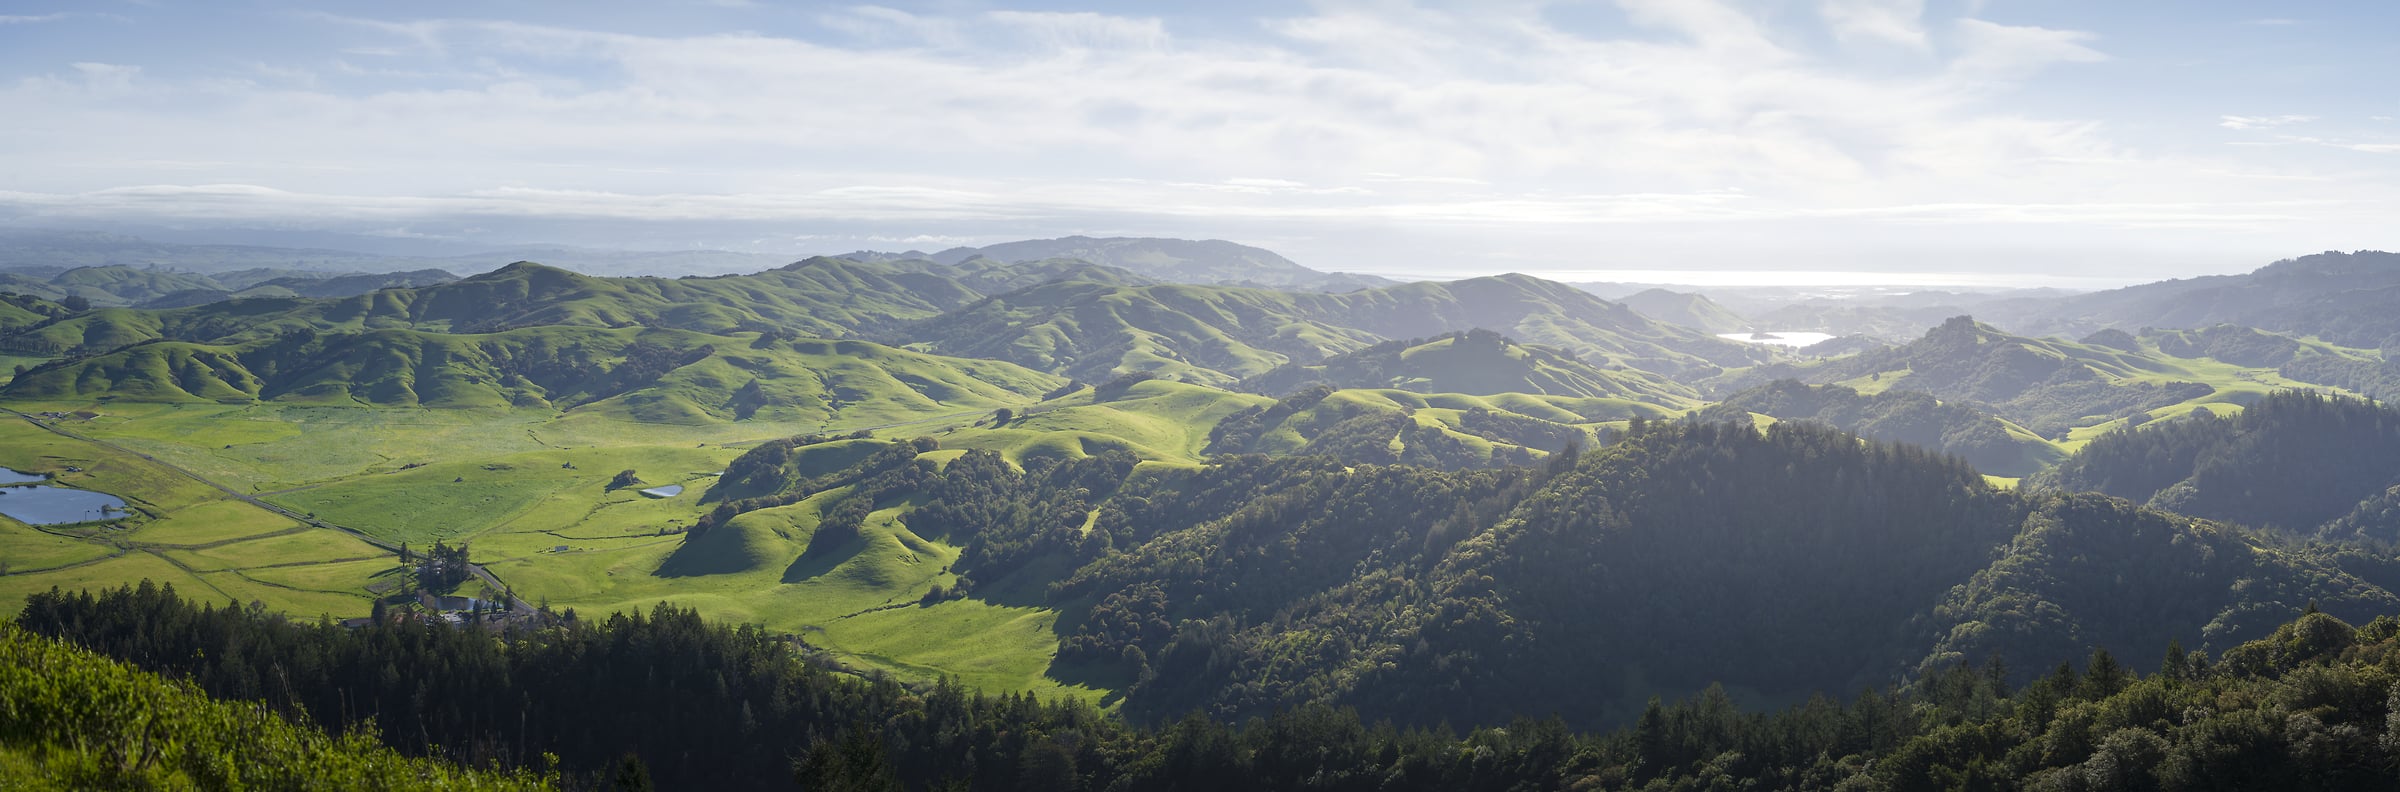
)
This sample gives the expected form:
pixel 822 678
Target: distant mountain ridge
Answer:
pixel 46 253
pixel 2344 298
pixel 150 287
pixel 666 376
pixel 1219 334
pixel 1475 362
pixel 1203 262
pixel 1689 309
pixel 819 297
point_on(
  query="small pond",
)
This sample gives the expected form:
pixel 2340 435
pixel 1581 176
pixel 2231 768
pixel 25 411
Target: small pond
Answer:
pixel 8 477
pixel 34 505
pixel 667 491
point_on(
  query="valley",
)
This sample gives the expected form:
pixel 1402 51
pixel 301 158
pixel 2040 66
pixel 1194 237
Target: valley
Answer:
pixel 395 420
pixel 1001 396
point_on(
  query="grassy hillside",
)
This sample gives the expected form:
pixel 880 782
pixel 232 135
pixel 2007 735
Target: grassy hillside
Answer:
pixel 819 297
pixel 76 720
pixel 992 277
pixel 2063 390
pixel 1218 335
pixel 1448 431
pixel 1472 362
pixel 1418 594
pixel 23 311
pixel 661 376
pixel 1989 442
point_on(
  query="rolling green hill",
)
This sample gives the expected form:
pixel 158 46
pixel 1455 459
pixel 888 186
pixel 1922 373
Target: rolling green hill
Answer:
pixel 1477 362
pixel 1683 555
pixel 1990 443
pixel 112 285
pixel 2053 386
pixel 653 375
pixel 991 277
pixel 818 297
pixel 1446 431
pixel 25 310
pixel 1219 335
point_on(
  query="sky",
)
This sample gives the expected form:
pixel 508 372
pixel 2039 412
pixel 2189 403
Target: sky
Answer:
pixel 1999 142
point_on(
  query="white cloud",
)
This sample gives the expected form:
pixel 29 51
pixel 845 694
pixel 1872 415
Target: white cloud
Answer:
pixel 2262 122
pixel 27 19
pixel 1082 30
pixel 1361 117
pixel 1996 51
pixel 1899 22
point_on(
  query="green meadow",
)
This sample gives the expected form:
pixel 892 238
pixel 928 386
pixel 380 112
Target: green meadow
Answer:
pixel 528 491
pixel 180 531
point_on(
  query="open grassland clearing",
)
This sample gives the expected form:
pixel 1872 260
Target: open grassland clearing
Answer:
pixel 561 492
pixel 1157 419
pixel 180 531
pixel 497 479
pixel 313 544
pixel 263 448
pixel 111 573
pixel 858 601
pixel 26 549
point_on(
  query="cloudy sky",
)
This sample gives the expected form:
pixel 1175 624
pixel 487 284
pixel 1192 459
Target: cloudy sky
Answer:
pixel 1709 141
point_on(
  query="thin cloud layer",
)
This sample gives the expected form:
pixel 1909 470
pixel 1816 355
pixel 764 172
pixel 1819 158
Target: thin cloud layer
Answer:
pixel 1355 119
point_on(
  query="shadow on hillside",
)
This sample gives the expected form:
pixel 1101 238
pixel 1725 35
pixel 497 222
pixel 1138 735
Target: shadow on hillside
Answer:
pixel 722 551
pixel 812 564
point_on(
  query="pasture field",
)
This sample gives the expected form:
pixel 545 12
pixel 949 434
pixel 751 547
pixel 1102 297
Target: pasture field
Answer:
pixel 211 523
pixel 526 490
pixel 25 549
pixel 181 532
pixel 517 485
pixel 312 544
pixel 131 567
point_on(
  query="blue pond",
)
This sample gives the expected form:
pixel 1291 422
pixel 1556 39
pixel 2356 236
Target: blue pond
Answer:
pixel 8 477
pixel 55 505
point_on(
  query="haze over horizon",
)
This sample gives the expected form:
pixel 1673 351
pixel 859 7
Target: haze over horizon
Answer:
pixel 1838 141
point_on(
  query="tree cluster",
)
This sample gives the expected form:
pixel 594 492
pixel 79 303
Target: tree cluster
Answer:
pixel 2315 705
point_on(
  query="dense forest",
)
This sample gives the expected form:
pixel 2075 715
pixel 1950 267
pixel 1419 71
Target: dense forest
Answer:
pixel 2297 461
pixel 666 698
pixel 71 720
pixel 1681 555
pixel 1893 416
